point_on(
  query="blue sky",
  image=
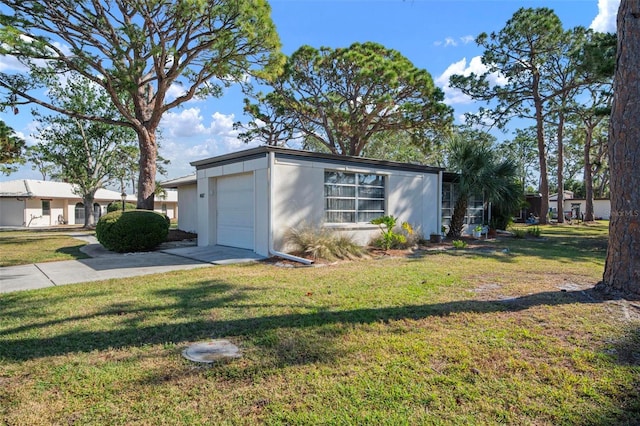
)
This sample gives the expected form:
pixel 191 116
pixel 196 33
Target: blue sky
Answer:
pixel 436 35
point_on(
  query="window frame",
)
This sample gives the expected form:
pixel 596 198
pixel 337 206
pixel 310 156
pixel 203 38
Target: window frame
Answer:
pixel 47 211
pixel 358 187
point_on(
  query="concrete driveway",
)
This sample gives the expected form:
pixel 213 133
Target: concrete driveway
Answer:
pixel 104 265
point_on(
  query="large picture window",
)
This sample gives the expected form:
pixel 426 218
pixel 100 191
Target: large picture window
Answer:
pixel 353 197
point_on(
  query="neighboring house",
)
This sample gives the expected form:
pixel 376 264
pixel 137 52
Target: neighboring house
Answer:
pixel 187 190
pixel 574 208
pixel 35 203
pixel 251 199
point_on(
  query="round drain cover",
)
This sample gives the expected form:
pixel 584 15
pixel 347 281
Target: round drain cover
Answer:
pixel 212 351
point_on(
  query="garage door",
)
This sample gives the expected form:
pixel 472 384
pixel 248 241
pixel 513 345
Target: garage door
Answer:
pixel 235 211
pixel 11 212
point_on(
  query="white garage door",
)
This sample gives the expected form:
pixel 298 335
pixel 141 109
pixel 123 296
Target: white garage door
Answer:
pixel 235 211
pixel 11 212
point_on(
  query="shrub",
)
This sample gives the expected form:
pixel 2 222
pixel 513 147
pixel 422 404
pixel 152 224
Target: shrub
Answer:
pixel 390 238
pixel 132 230
pixel 534 231
pixel 321 243
pixel 459 244
pixel 519 232
pixel 115 206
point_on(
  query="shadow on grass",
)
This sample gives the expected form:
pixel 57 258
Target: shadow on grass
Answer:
pixel 196 303
pixel 73 251
pixel 559 248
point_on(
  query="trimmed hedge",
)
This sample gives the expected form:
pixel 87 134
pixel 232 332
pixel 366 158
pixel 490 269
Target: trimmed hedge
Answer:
pixel 132 230
pixel 114 206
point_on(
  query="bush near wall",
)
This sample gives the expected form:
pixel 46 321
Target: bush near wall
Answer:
pixel 114 206
pixel 132 230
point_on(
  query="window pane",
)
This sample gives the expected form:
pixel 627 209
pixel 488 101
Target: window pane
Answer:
pixel 369 192
pixel 339 191
pixel 369 216
pixel 340 177
pixel 371 205
pixel 340 204
pixel 340 217
pixel 371 180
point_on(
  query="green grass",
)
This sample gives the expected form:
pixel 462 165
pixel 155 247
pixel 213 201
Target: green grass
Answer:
pixel 479 336
pixel 25 247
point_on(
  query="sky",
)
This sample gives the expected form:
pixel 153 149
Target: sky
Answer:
pixel 436 35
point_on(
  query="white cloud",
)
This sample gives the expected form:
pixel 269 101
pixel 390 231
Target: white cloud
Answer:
pixel 475 66
pixel 453 42
pixel 186 137
pixel 186 123
pixel 449 41
pixel 467 39
pixel 605 22
pixel 11 63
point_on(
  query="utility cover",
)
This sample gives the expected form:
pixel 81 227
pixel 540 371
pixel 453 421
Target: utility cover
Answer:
pixel 212 351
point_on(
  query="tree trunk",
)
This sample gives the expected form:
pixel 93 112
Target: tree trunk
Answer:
pixel 147 176
pixel 560 139
pixel 457 217
pixel 588 176
pixel 88 200
pixel 542 154
pixel 622 268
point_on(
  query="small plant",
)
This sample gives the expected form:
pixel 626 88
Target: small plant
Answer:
pixel 534 231
pixel 390 238
pixel 459 244
pixel 519 232
pixel 478 228
pixel 321 243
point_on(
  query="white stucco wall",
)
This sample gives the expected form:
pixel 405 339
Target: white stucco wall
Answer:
pixel 188 213
pixel 299 189
pixel 601 207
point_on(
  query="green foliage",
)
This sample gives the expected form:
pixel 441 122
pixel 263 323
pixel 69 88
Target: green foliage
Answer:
pixel 480 171
pixel 534 231
pixel 11 149
pixel 339 99
pixel 133 230
pixel 117 206
pixel 459 244
pixel 519 232
pixel 321 243
pixel 136 51
pixel 390 238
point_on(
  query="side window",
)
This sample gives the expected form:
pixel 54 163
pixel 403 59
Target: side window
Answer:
pixel 46 208
pixel 353 197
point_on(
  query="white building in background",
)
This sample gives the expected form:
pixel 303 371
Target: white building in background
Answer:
pixel 36 203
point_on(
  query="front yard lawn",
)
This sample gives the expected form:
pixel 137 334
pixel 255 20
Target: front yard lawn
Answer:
pixel 508 333
pixel 35 246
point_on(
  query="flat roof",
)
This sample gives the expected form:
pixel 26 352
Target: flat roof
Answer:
pixel 280 152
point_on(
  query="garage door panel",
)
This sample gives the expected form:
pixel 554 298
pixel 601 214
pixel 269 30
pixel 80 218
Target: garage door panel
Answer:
pixel 235 211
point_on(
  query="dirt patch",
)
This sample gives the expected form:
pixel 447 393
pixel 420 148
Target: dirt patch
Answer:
pixel 178 235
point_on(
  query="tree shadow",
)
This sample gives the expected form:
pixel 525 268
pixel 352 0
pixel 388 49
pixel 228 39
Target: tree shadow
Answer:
pixel 74 252
pixel 202 297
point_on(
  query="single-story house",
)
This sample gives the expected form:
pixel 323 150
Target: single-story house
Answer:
pixel 575 207
pixel 252 198
pixel 36 203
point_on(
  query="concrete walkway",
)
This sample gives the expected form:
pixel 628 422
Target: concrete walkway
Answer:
pixel 105 264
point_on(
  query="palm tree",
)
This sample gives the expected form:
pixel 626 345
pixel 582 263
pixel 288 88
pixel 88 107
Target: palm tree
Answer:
pixel 479 171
